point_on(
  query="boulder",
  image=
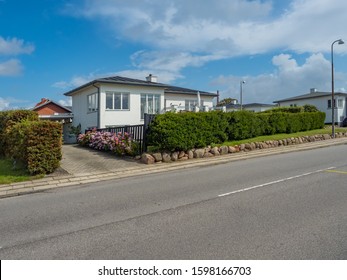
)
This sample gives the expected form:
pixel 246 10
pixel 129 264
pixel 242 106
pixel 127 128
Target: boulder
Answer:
pixel 157 156
pixel 166 157
pixel 181 155
pixel 214 151
pixel 199 153
pixel 174 156
pixel 190 154
pixel 223 150
pixel 147 159
pixel 231 149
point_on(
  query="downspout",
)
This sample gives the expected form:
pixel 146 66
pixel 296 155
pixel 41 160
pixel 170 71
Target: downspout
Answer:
pixel 98 114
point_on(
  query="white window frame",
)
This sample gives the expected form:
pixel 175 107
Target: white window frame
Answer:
pixel 122 95
pixel 155 101
pixel 92 102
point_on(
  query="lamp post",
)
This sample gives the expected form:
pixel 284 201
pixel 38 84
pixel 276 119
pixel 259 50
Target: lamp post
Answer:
pixel 241 84
pixel 340 42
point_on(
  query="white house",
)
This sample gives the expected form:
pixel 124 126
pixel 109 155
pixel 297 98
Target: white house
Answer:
pixel 120 101
pixel 322 100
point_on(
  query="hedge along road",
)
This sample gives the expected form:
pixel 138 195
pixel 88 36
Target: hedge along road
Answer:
pixel 285 206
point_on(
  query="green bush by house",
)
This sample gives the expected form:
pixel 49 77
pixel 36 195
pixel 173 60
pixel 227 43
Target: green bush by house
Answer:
pixel 25 139
pixel 189 130
pixel 8 119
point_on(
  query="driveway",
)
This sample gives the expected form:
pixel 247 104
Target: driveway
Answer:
pixel 78 161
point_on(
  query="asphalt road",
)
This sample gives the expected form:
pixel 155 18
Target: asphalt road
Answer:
pixel 289 206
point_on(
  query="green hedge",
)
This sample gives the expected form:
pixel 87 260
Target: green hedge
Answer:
pixel 37 144
pixel 8 119
pixel 184 131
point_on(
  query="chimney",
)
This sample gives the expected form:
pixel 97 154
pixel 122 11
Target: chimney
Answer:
pixel 313 90
pixel 152 79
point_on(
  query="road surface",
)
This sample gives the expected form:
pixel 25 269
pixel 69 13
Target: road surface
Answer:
pixel 288 206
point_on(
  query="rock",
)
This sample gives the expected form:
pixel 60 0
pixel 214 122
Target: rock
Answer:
pixel 137 157
pixel 253 146
pixel 215 151
pixel 190 154
pixel 207 155
pixel 248 147
pixel 166 157
pixel 242 147
pixel 147 159
pixel 174 156
pixel 326 136
pixel 181 155
pixel 199 153
pixel 183 158
pixel 231 149
pixel 157 156
pixel 223 150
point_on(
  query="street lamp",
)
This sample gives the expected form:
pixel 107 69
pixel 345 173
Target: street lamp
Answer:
pixel 340 42
pixel 241 84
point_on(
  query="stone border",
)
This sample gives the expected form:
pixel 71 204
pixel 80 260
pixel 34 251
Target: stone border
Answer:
pixel 208 152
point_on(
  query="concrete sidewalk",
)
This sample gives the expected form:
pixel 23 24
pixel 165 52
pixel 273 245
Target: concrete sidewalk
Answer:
pixel 82 166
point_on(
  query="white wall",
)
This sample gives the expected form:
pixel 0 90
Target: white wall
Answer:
pixel 80 109
pixel 126 117
pixel 322 105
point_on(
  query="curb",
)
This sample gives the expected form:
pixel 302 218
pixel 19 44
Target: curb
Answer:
pixel 49 183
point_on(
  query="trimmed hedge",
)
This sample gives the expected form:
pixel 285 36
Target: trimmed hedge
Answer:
pixel 37 144
pixel 8 119
pixel 184 131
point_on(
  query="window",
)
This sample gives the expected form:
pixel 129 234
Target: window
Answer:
pixel 340 103
pixel 150 104
pixel 117 101
pixel 92 102
pixel 329 103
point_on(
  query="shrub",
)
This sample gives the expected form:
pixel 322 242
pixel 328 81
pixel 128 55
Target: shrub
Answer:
pixel 118 143
pixel 184 131
pixel 37 144
pixel 10 118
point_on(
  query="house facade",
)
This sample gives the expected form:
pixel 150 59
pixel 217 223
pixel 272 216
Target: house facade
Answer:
pixel 322 100
pixel 120 101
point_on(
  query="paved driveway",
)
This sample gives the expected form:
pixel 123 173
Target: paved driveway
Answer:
pixel 83 161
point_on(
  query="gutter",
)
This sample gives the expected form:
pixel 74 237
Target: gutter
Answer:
pixel 99 111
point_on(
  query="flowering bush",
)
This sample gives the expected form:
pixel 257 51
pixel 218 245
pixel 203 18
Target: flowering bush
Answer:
pixel 118 143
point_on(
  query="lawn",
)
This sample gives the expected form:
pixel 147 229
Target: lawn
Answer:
pixel 326 130
pixel 9 174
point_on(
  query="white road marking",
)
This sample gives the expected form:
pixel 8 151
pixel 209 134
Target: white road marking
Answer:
pixel 275 182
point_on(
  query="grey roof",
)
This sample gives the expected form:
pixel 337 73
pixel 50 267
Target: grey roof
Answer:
pixel 310 95
pixel 136 82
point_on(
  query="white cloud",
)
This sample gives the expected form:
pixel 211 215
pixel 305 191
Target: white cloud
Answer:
pixel 4 104
pixel 225 27
pixel 12 67
pixel 289 79
pixel 182 33
pixel 14 46
pixel 65 102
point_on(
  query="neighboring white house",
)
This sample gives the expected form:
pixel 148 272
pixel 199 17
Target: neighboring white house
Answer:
pixel 253 107
pixel 120 101
pixel 322 100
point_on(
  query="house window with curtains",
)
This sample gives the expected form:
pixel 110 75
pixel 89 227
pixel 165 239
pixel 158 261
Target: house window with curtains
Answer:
pixel 150 104
pixel 92 101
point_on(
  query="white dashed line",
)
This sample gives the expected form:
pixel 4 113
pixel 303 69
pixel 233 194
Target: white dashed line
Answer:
pixel 275 182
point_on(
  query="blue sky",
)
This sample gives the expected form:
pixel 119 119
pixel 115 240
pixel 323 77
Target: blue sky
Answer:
pixel 280 48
